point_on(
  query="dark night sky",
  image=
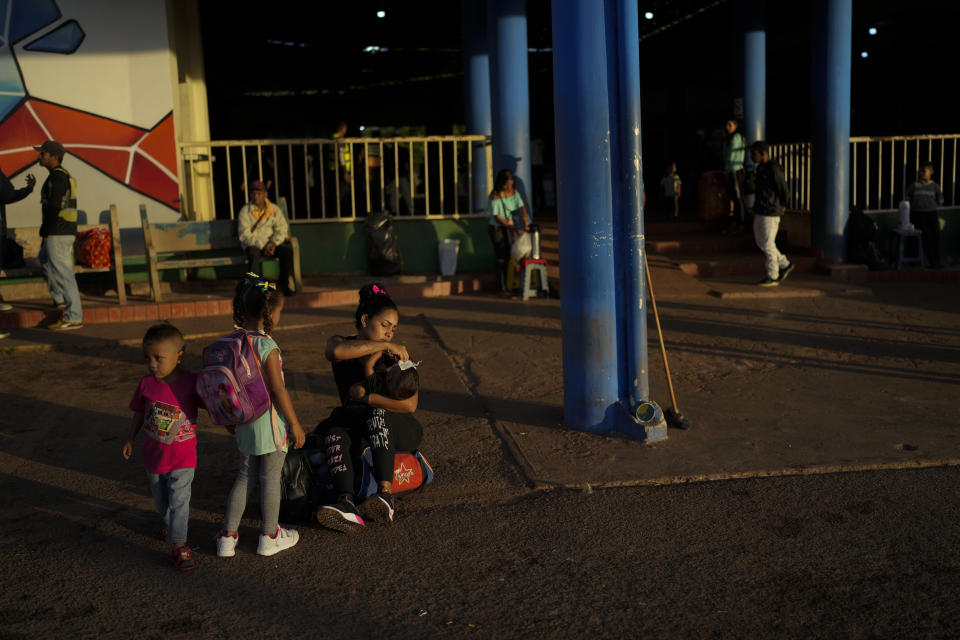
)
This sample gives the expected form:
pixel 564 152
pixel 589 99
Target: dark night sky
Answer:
pixel 688 71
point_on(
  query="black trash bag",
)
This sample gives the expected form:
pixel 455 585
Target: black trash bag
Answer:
pixel 862 234
pixel 301 488
pixel 383 246
pixel 749 185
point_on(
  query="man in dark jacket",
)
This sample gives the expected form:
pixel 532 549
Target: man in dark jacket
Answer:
pixel 58 198
pixel 770 199
pixel 9 195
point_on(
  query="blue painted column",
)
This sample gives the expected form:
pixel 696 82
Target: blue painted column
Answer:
pixel 584 215
pixel 509 91
pixel 628 208
pixel 476 71
pixel 831 140
pixel 751 14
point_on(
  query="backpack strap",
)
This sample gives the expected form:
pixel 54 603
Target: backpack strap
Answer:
pixel 68 205
pixel 278 438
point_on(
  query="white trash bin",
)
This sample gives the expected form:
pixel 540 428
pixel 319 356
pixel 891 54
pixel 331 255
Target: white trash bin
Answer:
pixel 449 249
pixel 905 216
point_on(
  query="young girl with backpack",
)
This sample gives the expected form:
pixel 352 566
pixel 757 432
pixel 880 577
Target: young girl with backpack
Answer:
pixel 257 305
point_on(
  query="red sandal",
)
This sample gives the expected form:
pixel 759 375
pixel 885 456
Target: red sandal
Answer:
pixel 182 558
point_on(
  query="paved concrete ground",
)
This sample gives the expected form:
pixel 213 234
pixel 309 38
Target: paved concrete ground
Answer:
pixel 809 377
pixel 806 378
pixel 812 378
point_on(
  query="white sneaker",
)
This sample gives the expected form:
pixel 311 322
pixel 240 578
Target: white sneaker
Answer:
pixel 5 306
pixel 282 539
pixel 227 545
pixel 4 334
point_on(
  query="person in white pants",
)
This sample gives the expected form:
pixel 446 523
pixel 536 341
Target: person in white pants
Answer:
pixel 769 202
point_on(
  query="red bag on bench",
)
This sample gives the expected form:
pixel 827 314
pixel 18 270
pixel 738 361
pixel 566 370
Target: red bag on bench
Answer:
pixel 92 248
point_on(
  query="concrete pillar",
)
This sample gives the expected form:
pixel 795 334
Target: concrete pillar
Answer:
pixel 831 139
pixel 622 29
pixel 750 15
pixel 191 119
pixel 476 71
pixel 584 215
pixel 509 91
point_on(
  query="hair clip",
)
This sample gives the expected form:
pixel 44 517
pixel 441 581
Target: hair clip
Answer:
pixel 408 364
pixel 377 289
pixel 266 285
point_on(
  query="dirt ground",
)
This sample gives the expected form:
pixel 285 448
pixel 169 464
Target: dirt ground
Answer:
pixel 530 529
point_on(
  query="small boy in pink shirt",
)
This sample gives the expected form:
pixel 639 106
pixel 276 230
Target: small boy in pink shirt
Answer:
pixel 165 405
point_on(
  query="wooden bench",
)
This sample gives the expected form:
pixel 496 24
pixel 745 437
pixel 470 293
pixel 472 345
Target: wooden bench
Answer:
pixel 29 238
pixel 182 245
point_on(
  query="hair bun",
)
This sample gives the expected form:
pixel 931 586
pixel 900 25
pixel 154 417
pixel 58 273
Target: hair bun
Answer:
pixel 371 290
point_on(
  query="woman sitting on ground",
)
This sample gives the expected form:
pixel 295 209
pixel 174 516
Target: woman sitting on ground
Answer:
pixel 386 423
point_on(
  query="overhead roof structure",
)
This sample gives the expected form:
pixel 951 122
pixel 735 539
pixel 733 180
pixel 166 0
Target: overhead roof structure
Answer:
pixel 326 61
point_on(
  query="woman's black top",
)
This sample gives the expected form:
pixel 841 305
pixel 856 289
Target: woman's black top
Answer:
pixel 347 373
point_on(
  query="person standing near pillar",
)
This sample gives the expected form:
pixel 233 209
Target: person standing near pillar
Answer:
pixel 342 167
pixel 671 186
pixel 58 200
pixel 734 151
pixel 925 196
pixel 508 215
pixel 9 195
pixel 769 203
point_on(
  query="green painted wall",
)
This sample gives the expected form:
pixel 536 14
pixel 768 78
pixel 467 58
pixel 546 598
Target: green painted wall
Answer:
pixel 341 247
pixel 887 221
pixel 797 227
pixel 338 248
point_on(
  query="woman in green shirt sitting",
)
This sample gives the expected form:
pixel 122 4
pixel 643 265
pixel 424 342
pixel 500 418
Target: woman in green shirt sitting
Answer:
pixel 508 217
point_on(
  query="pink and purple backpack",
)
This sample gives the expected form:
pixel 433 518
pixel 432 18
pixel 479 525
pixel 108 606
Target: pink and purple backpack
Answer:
pixel 231 382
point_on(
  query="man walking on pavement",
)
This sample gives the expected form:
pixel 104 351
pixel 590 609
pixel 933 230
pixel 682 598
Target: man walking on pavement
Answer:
pixel 9 195
pixel 770 199
pixel 58 199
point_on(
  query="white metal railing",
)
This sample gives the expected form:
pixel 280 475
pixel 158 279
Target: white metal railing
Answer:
pixel 324 179
pixel 881 168
pixel 795 158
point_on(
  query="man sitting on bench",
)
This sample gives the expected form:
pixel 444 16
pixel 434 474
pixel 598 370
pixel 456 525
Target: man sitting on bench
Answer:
pixel 265 233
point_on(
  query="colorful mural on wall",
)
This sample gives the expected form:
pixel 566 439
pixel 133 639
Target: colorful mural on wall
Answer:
pixel 142 159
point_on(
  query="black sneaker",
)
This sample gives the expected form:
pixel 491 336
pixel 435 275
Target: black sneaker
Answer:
pixel 768 282
pixel 785 272
pixel 379 507
pixel 341 516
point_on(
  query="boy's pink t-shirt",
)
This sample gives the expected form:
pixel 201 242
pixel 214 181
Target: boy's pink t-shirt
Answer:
pixel 169 422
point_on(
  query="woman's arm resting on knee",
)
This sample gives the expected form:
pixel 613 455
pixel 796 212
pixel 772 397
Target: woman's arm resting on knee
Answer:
pixel 278 391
